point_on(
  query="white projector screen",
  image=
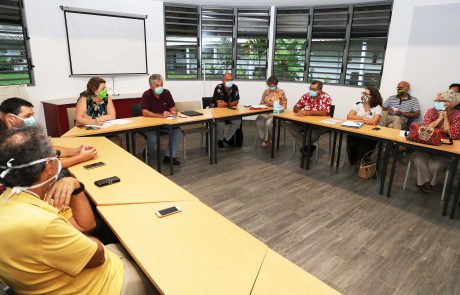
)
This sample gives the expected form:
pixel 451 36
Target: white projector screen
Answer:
pixel 101 44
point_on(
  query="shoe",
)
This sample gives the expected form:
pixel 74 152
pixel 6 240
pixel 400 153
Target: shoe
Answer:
pixel 427 188
pixel 230 143
pixel 264 145
pixel 167 159
pixel 312 150
pixel 220 144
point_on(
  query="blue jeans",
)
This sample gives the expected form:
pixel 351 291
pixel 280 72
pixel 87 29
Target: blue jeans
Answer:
pixel 152 140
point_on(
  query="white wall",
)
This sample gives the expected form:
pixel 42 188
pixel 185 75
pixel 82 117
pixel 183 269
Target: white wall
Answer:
pixel 412 63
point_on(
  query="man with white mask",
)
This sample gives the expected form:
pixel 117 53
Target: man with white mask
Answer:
pixel 41 251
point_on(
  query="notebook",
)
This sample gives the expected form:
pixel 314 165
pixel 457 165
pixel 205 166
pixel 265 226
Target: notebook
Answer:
pixel 353 124
pixel 192 113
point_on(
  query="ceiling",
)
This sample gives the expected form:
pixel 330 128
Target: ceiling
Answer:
pixel 272 2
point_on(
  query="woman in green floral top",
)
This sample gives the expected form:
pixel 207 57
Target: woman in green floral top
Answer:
pixel 264 121
pixel 94 106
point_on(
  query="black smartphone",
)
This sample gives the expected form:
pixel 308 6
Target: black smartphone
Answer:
pixel 107 181
pixel 233 108
pixel 376 128
pixel 94 165
pixel 92 128
pixel 168 211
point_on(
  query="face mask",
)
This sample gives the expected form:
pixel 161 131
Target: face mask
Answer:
pixel 401 92
pixel 365 98
pixel 272 88
pixel 313 93
pixel 19 189
pixel 159 90
pixel 102 94
pixel 229 84
pixel 439 106
pixel 28 122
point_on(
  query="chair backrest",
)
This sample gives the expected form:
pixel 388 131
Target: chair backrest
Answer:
pixel 136 110
pixel 183 106
pixel 207 102
pixel 71 117
pixel 332 110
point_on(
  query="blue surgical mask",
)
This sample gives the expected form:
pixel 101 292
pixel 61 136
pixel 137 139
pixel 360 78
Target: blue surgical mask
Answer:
pixel 159 90
pixel 28 122
pixel 229 84
pixel 272 88
pixel 313 93
pixel 439 106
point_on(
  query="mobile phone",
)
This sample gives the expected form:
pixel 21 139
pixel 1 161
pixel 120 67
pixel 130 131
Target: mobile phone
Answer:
pixel 94 165
pixel 376 128
pixel 107 181
pixel 232 108
pixel 92 128
pixel 168 211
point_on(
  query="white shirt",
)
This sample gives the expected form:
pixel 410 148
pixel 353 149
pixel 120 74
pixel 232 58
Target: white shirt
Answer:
pixel 360 111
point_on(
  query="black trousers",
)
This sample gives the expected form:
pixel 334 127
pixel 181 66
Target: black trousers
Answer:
pixel 357 147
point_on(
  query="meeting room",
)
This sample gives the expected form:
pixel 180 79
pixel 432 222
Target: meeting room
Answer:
pixel 304 147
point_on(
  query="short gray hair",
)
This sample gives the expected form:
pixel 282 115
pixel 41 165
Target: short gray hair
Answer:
pixel 155 77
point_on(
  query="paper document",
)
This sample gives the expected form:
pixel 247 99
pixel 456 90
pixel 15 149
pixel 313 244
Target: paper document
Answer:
pixel 259 106
pixel 105 125
pixel 352 124
pixel 402 133
pixel 331 121
pixel 119 121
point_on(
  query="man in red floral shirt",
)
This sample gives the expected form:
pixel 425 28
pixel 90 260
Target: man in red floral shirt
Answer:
pixel 314 103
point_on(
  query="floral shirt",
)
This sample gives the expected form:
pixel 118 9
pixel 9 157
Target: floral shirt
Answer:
pixel 269 96
pixel 94 109
pixel 322 102
pixel 2 188
pixel 454 121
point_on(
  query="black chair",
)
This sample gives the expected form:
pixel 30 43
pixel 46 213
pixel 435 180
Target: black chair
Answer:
pixel 207 102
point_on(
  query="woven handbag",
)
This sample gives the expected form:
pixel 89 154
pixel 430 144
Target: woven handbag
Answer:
pixel 367 168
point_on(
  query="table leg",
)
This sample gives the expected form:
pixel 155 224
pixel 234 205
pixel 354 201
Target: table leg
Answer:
pixel 393 168
pixel 454 206
pixel 215 142
pixel 128 146
pixel 274 137
pixel 339 152
pixel 379 157
pixel 334 144
pixel 279 136
pixel 171 168
pixel 209 143
pixel 453 169
pixel 304 139
pixel 158 149
pixel 133 143
pixel 310 129
pixel 384 167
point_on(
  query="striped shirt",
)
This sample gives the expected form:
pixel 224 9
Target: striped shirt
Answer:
pixel 408 105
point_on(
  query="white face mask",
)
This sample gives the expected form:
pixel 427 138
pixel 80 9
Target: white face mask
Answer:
pixel 18 189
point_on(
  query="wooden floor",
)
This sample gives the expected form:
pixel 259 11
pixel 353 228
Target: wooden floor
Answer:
pixel 328 221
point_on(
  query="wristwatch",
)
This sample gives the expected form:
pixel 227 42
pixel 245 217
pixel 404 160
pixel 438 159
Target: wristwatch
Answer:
pixel 58 153
pixel 78 190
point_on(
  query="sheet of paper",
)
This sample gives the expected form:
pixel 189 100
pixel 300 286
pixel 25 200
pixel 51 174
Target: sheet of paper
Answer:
pixel 259 106
pixel 352 124
pixel 331 121
pixel 402 133
pixel 105 125
pixel 119 121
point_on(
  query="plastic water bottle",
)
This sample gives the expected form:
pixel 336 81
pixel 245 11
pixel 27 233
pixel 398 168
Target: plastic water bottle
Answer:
pixel 277 108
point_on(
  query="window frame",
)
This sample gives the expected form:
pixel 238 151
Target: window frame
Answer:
pixel 27 51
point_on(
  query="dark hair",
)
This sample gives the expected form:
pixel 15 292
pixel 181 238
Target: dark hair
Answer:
pixel 272 80
pixel 92 86
pixel 376 97
pixel 13 105
pixel 318 83
pixel 3 125
pixel 455 85
pixel 24 145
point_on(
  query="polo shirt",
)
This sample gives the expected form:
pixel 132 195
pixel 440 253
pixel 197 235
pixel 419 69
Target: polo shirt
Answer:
pixel 41 252
pixel 157 105
pixel 221 94
pixel 409 105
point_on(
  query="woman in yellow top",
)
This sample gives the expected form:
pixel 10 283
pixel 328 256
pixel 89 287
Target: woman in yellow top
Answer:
pixel 264 121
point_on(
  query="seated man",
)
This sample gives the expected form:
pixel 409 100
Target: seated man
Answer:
pixel 17 112
pixel 41 251
pixel 400 108
pixel 226 95
pixel 455 87
pixel 159 103
pixel 314 103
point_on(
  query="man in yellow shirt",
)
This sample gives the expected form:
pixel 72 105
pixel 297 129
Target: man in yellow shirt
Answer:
pixel 40 251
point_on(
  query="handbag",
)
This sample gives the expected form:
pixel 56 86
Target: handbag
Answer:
pixel 426 135
pixel 367 168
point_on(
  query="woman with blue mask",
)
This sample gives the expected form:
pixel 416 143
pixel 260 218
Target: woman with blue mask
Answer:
pixel 445 117
pixel 94 106
pixel 368 111
pixel 264 122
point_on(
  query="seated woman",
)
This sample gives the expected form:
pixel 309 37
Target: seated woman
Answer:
pixel 368 111
pixel 94 107
pixel 264 121
pixel 443 116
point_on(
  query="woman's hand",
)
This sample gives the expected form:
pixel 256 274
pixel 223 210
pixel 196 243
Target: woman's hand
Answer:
pixel 88 152
pixel 99 121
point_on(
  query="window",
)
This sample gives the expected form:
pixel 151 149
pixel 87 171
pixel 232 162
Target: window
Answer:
pixel 181 38
pixel 217 36
pixel 252 44
pixel 368 40
pixel 291 38
pixel 329 30
pixel 15 65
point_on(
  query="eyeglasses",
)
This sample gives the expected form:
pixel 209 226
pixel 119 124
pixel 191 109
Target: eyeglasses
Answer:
pixel 366 94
